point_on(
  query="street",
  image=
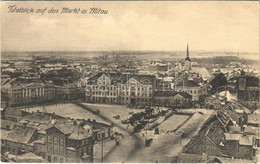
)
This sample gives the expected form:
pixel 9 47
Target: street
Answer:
pixel 164 147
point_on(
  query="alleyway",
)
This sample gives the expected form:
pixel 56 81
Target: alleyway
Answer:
pixel 128 147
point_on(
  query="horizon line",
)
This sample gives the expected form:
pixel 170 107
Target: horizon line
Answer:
pixel 223 51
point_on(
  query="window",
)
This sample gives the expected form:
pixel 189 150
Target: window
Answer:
pixel 55 150
pixel 61 160
pixel 49 139
pixel 49 148
pixel 62 141
pixel 55 159
pixel 55 140
pixel 49 158
pixel 61 150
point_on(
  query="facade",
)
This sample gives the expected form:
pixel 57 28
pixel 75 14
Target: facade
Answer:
pixel 52 137
pixel 164 84
pixel 248 91
pixel 191 88
pixel 213 102
pixel 237 112
pixel 215 139
pixel 157 67
pixel 172 99
pixel 120 89
pixel 14 114
pixel 100 131
pixel 19 140
pixel 23 93
pixel 69 92
pixel 69 143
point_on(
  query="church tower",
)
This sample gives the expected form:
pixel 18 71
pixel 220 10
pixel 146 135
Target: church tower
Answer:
pixel 187 63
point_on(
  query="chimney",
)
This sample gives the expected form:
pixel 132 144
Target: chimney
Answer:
pixel 53 121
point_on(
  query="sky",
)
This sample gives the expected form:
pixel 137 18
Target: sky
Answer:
pixel 136 25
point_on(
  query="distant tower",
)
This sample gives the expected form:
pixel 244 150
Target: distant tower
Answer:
pixel 187 65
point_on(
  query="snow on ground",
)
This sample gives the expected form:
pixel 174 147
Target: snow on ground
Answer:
pixel 131 149
pixel 76 112
pixel 173 122
pixel 112 110
pixel 196 120
pixel 68 110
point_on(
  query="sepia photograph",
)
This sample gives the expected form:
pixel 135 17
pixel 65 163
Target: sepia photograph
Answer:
pixel 130 82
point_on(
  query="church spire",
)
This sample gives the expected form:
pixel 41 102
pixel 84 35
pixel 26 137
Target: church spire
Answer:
pixel 187 53
pixel 187 60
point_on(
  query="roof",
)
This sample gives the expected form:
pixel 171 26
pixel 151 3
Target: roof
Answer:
pixel 205 130
pixel 257 111
pixel 171 93
pixel 251 130
pixel 189 83
pixel 190 158
pixel 198 137
pixel 16 112
pixel 122 78
pixel 98 125
pixel 254 118
pixel 7 124
pixel 246 140
pixel 144 79
pixel 42 117
pixel 229 160
pixel 202 71
pixel 29 157
pixel 4 134
pixel 230 136
pixel 115 77
pixel 252 81
pixel 41 140
pixel 235 105
pixel 65 128
pixel 234 129
pixel 79 134
pixel 15 84
pixel 223 118
pixel 21 134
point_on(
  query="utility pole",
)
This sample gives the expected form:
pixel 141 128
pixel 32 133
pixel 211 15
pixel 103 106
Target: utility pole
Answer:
pixel 102 150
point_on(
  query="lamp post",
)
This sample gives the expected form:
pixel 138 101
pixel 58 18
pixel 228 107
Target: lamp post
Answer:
pixel 102 149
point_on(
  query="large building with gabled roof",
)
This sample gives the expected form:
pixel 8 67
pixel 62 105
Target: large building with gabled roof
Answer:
pixel 121 88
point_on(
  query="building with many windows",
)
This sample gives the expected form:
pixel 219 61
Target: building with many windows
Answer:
pixel 172 99
pixel 50 136
pixel 248 90
pixel 28 93
pixel 191 88
pixel 69 143
pixel 120 88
